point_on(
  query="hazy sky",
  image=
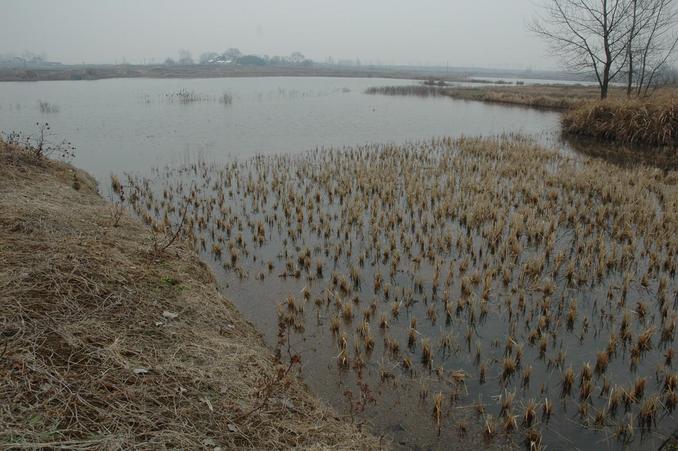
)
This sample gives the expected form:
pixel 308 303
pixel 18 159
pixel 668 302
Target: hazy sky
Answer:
pixel 480 33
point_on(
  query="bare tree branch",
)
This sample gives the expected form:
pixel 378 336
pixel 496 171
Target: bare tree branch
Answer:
pixel 588 34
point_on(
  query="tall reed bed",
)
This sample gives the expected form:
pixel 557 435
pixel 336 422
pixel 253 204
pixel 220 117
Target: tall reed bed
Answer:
pixel 652 122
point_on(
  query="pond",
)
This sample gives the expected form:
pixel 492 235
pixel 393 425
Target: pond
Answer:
pixel 134 124
pixel 296 172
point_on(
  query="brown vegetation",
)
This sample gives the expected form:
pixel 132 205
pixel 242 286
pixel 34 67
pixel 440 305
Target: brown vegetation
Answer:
pixel 107 344
pixel 547 97
pixel 510 235
pixel 554 97
pixel 649 121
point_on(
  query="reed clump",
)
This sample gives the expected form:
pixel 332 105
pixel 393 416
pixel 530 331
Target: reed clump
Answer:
pixel 650 122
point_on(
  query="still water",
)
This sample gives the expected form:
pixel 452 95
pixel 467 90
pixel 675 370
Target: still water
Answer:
pixel 132 125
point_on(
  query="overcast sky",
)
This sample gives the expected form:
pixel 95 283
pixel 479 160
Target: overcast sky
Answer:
pixel 478 33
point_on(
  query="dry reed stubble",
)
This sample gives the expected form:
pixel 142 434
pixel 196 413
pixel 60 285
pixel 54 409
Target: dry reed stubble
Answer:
pixel 93 362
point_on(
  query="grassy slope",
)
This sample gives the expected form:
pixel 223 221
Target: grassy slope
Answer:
pixel 81 320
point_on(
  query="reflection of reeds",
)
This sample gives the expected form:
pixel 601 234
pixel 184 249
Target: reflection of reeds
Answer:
pixel 226 99
pixel 47 108
pixel 412 90
pixel 185 96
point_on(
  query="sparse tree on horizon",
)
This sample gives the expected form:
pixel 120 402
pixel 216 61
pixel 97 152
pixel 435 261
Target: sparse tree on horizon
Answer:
pixel 588 35
pixel 612 38
pixel 232 54
pixel 185 57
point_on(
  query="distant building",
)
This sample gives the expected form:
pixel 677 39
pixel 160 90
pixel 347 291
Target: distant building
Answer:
pixel 221 59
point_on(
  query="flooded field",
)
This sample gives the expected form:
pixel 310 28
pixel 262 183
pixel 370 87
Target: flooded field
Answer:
pixel 476 291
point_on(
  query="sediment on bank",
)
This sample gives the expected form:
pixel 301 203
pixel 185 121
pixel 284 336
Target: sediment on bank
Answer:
pixel 107 344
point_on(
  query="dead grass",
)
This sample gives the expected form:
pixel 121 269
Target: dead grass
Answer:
pixel 108 346
pixel 547 97
pixel 651 122
pixel 551 97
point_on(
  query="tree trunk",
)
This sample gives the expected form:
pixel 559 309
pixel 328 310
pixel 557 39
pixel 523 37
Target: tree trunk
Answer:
pixel 605 84
pixel 629 87
pixel 608 54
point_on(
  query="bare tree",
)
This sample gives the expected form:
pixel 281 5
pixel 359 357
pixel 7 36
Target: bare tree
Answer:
pixel 653 37
pixel 589 35
pixel 232 54
pixel 185 57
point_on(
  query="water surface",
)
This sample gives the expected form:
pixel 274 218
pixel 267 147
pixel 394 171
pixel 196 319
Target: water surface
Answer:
pixel 125 125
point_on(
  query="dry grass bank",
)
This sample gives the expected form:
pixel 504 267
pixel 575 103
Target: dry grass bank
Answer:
pixel 559 97
pixel 106 345
pixel 652 121
pixel 548 97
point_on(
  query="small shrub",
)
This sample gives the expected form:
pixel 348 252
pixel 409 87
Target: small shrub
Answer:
pixel 40 145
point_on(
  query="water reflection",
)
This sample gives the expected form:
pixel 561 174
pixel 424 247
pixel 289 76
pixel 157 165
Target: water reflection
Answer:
pixel 624 155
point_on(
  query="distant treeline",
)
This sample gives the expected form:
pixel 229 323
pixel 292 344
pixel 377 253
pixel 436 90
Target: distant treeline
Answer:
pixel 27 59
pixel 234 56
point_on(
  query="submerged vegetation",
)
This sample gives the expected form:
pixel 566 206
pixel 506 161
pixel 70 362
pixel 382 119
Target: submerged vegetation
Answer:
pixel 185 97
pixel 537 290
pixel 47 108
pixel 226 98
pixel 407 90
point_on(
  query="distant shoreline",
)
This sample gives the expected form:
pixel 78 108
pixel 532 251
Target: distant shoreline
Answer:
pixel 102 72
